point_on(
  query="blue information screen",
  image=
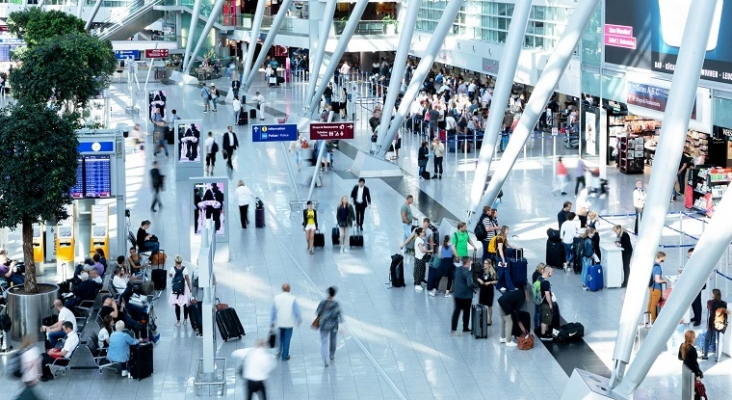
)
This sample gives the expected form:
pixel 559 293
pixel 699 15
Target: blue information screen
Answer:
pixel 77 191
pixel 274 133
pixel 93 178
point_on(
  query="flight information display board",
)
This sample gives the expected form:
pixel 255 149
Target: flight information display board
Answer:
pixel 93 179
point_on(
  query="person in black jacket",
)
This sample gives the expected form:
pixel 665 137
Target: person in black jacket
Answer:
pixel 145 240
pixel 623 241
pixel 687 353
pixel 231 143
pixel 85 290
pixel 361 197
pixel 310 224
pixel 712 335
pixel 422 158
pixel 156 180
pixel 235 84
pixel 509 306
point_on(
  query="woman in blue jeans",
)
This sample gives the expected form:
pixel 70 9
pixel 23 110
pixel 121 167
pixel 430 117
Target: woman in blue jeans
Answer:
pixel 329 315
pixel 502 267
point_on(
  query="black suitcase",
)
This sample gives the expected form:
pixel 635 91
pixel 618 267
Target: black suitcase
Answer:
pixel 169 135
pixel 335 236
pixel 243 118
pixel 569 332
pixel 525 319
pixel 556 317
pixel 197 318
pixel 554 235
pixel 229 324
pixel 259 218
pixel 141 361
pixel 555 253
pixel 159 279
pixel 253 114
pixel 355 240
pixel 479 317
pixel 426 174
pixel 318 239
pixel 280 79
pixel 396 271
pixel 518 269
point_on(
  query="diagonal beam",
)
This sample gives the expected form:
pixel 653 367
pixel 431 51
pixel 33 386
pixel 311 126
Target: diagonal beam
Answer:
pixel 268 41
pixel 253 38
pixel 326 23
pixel 215 12
pixel 191 32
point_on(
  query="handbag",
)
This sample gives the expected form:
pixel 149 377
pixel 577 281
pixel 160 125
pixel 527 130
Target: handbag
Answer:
pixel 316 322
pixel 526 342
pixel 272 339
pixel 422 163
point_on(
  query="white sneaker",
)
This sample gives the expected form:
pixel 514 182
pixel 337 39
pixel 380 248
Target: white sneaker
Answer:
pixel 511 344
pixel 125 373
pixel 418 288
pixel 432 294
pixel 177 323
pixel 448 294
pixel 502 340
pixel 341 249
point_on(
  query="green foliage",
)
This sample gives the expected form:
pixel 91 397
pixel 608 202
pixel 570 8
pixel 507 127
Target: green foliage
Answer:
pixel 39 160
pixel 73 68
pixel 34 25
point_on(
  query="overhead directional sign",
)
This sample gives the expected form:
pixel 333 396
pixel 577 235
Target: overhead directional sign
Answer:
pixel 331 130
pixel 274 133
pixel 125 54
pixel 156 53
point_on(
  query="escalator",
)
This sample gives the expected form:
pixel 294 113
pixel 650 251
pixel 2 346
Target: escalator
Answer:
pixel 127 21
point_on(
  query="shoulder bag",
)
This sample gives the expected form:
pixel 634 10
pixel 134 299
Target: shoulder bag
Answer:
pixel 316 322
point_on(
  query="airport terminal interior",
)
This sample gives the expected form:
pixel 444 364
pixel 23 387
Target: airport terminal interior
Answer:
pixel 393 342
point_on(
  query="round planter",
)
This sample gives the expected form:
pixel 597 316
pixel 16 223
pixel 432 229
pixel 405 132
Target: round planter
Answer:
pixel 390 29
pixel 26 311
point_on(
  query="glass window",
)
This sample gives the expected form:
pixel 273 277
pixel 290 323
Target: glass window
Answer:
pixel 538 12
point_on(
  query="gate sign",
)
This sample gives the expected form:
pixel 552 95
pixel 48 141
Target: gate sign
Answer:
pixel 156 53
pixel 331 130
pixel 126 54
pixel 274 133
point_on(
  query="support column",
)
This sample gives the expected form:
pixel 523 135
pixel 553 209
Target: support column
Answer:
pixel 682 96
pixel 191 32
pixel 428 58
pixel 79 7
pixel 253 38
pixel 501 93
pixel 321 150
pixel 268 42
pixel 335 58
pixel 325 25
pixel 93 15
pixel 400 63
pixel 554 69
pixel 215 12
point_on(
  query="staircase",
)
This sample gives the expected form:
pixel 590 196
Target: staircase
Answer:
pixel 127 21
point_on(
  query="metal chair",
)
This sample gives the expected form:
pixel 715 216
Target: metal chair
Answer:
pixel 99 356
pixel 62 365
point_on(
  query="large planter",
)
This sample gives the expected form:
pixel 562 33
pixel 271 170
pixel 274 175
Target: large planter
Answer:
pixel 390 29
pixel 27 310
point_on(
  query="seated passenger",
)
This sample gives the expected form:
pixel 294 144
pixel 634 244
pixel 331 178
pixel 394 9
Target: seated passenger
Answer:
pixel 94 276
pixel 55 332
pixel 146 241
pixel 129 313
pixel 102 258
pixel 72 340
pixel 121 284
pixel 98 264
pixel 135 262
pixel 119 346
pixel 85 290
pixel 6 270
pixel 105 332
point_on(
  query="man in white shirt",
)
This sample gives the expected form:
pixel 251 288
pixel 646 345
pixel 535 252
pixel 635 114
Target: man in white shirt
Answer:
pixel 55 332
pixel 257 364
pixel 237 109
pixel 72 340
pixel 259 99
pixel 639 201
pixel 568 232
pixel 487 97
pixel 243 197
pixel 210 154
pixel 285 314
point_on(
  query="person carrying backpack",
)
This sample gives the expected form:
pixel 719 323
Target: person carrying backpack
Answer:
pixel 587 251
pixel 180 293
pixel 717 322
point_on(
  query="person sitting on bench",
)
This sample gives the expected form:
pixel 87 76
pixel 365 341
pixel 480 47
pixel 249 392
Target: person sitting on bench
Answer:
pixel 55 332
pixel 119 346
pixel 146 241
pixel 85 290
pixel 65 353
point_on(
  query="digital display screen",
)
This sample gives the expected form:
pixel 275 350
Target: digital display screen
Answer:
pixel 209 203
pixel 189 143
pixel 93 178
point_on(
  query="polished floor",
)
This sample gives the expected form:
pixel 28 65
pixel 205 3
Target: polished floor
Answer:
pixel 396 343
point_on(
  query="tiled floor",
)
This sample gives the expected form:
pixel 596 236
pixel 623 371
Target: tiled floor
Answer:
pixel 396 342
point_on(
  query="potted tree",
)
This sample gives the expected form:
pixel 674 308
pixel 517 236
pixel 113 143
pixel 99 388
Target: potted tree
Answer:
pixel 390 25
pixel 58 75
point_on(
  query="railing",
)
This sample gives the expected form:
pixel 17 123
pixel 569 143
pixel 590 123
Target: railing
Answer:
pixel 366 27
pixel 121 17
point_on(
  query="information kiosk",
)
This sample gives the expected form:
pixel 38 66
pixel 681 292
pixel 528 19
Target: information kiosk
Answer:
pixel 100 229
pixel 38 243
pixel 65 238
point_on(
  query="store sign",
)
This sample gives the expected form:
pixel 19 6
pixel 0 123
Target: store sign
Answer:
pixel 490 66
pixel 444 56
pixel 722 133
pixel 650 97
pixel 156 53
pixel 3 28
pixel 647 34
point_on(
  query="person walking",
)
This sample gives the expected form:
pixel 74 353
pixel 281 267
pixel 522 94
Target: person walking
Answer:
pixel 509 306
pixel 310 224
pixel 560 181
pixel 463 294
pixel 438 152
pixel 407 217
pixel 579 171
pixel 285 315
pixel 361 197
pixel 211 148
pixel 244 196
pixel 297 147
pixel 656 286
pixel 329 316
pixel 230 144
pixel 235 85
pixel 716 322
pixel 257 364
pixel 156 180
pixel 344 217
pixel 236 104
pixel 206 97
pixel 422 158
pixel 487 282
pixel 639 202
pixel 180 293
pixel 214 97
pixel 622 240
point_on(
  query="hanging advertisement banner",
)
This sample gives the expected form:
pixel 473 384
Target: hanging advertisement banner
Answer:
pixel 647 34
pixel 650 97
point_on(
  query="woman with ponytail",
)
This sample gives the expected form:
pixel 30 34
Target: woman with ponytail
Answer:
pixel 687 353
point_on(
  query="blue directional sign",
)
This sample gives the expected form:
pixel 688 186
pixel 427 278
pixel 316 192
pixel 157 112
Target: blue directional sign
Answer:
pixel 274 133
pixel 127 54
pixel 96 147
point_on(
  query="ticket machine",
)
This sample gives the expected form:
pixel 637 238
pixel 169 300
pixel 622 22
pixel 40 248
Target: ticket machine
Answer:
pixel 65 239
pixel 38 243
pixel 100 228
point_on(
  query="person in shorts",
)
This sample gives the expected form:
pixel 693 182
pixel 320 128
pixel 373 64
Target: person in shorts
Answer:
pixel 310 224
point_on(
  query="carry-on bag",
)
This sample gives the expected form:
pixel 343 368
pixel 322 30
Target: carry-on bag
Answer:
pixel 196 316
pixel 525 319
pixel 229 324
pixel 318 239
pixel 355 240
pixel 569 332
pixel 141 360
pixel 335 236
pixel 159 278
pixel 595 279
pixel 479 317
pixel 259 218
pixel 518 268
pixel 396 271
pixel 555 254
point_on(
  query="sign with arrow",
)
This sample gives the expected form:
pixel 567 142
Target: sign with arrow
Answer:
pixel 274 133
pixel 331 130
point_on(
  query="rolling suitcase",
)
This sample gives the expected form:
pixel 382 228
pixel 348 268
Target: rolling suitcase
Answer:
pixel 569 332
pixel 355 240
pixel 141 361
pixel 396 271
pixel 642 332
pixel 518 269
pixel 159 280
pixel 259 218
pixel 253 114
pixel 556 316
pixel 335 236
pixel 229 324
pixel 594 278
pixel 555 254
pixel 243 118
pixel 480 321
pixel 525 318
pixel 169 135
pixel 318 239
pixel 197 318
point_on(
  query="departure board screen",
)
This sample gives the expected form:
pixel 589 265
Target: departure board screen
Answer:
pixel 93 178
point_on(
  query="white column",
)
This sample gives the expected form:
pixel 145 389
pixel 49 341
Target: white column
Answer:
pixel 428 58
pixel 682 96
pixel 325 25
pixel 501 93
pixel 253 38
pixel 191 32
pixel 554 69
pixel 93 15
pixel 267 42
pixel 406 29
pixel 206 29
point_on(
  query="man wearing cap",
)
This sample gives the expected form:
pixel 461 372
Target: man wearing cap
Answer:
pixel 54 333
pixel 259 99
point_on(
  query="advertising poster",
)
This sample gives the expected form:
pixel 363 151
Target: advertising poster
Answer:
pixel 646 34
pixel 590 133
pixel 209 203
pixel 189 142
pixel 156 105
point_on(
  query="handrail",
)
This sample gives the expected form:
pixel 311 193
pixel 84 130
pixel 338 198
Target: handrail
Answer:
pixel 119 18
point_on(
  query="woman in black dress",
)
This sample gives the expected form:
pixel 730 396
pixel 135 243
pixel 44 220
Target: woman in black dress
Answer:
pixel 487 281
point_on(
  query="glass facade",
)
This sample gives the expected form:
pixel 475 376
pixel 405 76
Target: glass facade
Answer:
pixel 489 20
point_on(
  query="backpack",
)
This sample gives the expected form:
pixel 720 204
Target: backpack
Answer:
pixel 492 246
pixel 720 319
pixel 589 249
pixel 214 148
pixel 178 284
pixel 480 232
pixel 536 291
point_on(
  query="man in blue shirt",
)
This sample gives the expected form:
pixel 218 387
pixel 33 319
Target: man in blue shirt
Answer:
pixel 119 346
pixel 656 285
